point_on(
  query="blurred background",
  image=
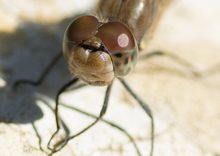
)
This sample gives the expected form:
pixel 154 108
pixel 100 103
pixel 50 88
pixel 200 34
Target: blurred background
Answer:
pixel 186 108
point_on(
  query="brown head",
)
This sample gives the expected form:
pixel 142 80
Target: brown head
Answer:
pixel 98 52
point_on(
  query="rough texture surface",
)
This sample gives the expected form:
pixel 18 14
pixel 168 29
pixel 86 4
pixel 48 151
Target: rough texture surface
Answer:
pixel 186 108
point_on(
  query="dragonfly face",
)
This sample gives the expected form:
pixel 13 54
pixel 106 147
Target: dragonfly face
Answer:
pixel 98 52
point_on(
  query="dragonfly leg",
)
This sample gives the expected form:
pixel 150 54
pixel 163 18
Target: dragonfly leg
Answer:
pixel 35 127
pixel 112 124
pixel 56 111
pixel 176 59
pixel 63 142
pixel 196 74
pixel 145 107
pixel 42 76
pixel 37 133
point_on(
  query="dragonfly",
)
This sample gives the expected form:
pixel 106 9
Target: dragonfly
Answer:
pixel 103 47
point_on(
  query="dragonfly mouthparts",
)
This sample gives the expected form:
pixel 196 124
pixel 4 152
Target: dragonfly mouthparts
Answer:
pixel 92 47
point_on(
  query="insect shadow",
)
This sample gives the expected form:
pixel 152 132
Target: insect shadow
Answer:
pixel 20 60
pixel 24 53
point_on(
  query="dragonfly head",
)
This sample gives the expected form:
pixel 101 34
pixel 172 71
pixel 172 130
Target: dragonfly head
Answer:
pixel 98 52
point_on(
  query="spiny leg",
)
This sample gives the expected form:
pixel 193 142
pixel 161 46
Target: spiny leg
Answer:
pixel 146 108
pixel 109 123
pixel 56 111
pixel 196 74
pixel 103 120
pixel 93 116
pixel 42 76
pixel 63 142
pixel 62 89
pixel 175 58
pixel 38 136
pixel 78 86
pixel 61 121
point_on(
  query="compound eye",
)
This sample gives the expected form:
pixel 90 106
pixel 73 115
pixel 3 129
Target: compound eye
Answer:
pixel 116 37
pixel 82 29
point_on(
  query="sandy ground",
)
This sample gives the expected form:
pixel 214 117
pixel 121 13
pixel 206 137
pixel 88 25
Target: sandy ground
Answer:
pixel 186 108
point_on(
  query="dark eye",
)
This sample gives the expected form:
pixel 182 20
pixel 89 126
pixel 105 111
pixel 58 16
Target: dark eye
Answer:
pixel 116 36
pixel 82 29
